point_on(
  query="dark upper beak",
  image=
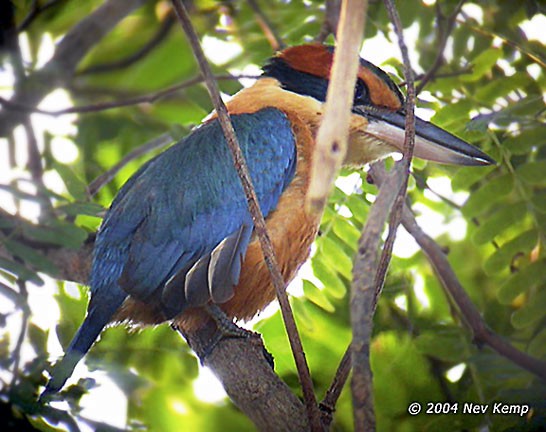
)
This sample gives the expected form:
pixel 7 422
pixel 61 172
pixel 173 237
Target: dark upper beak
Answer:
pixel 431 142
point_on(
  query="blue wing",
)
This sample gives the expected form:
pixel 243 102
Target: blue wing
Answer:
pixel 177 232
pixel 187 206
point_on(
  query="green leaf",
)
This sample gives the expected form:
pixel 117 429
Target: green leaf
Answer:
pixel 525 141
pixel 537 347
pixel 317 296
pixel 532 311
pixel 533 173
pixel 329 277
pixel 503 256
pixel 482 64
pixel 346 231
pixel 521 281
pixel 506 217
pixel 82 208
pixel 466 177
pixel 58 232
pixel 30 256
pixel 76 188
pixel 336 257
pixel 38 338
pixel 20 271
pixel 359 207
pixel 446 344
pixel 492 191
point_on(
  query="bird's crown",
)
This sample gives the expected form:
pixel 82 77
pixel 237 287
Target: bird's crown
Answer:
pixel 305 69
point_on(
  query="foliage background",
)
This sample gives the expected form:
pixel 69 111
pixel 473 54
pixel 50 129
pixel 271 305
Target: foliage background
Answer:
pixel 492 95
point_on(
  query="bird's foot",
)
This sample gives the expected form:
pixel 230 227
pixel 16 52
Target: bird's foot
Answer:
pixel 225 329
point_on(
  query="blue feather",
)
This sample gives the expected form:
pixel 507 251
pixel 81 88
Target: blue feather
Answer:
pixel 172 214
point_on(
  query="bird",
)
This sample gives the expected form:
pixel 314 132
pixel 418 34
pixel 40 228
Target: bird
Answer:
pixel 179 236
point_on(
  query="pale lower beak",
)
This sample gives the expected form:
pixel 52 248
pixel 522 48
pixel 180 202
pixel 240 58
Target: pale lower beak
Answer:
pixel 431 142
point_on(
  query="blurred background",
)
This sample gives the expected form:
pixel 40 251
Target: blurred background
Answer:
pixel 83 89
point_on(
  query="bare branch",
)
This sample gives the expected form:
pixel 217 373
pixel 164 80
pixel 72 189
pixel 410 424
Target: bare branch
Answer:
pixel 153 43
pixel 257 216
pixel 109 175
pixel 331 20
pixel 328 404
pixel 270 33
pixel 363 291
pixel 104 106
pixel 369 272
pixel 37 9
pixel 245 370
pixel 331 140
pixel 444 33
pixel 71 49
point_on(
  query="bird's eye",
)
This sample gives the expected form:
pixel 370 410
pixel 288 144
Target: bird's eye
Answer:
pixel 361 93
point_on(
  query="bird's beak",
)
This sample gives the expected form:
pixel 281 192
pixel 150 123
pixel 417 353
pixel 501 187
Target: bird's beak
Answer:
pixel 431 142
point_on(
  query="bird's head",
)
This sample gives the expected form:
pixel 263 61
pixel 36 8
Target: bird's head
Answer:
pixel 305 70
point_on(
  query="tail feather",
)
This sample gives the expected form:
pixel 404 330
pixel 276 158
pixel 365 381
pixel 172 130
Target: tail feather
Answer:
pixel 98 316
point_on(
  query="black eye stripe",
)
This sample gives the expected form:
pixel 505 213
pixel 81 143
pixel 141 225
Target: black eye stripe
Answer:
pixel 296 81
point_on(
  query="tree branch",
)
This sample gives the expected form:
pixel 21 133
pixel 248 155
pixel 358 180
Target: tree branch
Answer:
pixel 450 282
pixel 331 140
pixel 35 12
pixel 104 106
pixel 445 32
pixel 245 370
pixel 270 33
pixel 154 42
pixel 257 216
pixel 108 176
pixel 69 52
pixel 331 20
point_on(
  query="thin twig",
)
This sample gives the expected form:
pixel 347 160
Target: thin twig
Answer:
pixel 104 106
pixel 153 43
pixel 328 404
pixel 75 44
pixel 471 315
pixel 270 33
pixel 16 354
pixel 331 20
pixel 409 143
pixel 109 175
pixel 11 294
pixel 259 222
pixel 35 11
pixel 445 32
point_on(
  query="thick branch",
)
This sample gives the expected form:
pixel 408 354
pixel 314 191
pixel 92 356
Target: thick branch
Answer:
pixel 243 366
pixel 69 52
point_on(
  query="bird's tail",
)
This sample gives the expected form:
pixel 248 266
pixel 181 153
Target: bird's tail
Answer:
pixel 98 316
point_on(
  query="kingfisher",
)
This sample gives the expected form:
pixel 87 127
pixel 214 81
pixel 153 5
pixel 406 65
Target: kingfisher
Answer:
pixel 179 236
